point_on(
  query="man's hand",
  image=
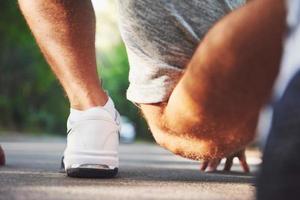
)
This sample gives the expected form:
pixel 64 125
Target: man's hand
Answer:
pixel 212 165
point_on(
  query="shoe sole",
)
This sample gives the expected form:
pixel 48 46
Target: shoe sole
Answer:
pixel 91 173
pixel 81 172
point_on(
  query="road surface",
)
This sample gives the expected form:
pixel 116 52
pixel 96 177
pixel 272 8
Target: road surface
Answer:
pixel 146 172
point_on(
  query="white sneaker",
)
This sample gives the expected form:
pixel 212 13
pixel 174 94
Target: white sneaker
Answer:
pixel 92 143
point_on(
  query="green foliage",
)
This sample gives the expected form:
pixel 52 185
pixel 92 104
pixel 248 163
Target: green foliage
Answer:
pixel 114 70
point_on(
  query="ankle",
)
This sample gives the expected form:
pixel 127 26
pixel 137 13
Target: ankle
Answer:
pixel 83 101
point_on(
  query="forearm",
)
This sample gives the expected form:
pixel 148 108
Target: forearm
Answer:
pixel 229 78
pixel 195 144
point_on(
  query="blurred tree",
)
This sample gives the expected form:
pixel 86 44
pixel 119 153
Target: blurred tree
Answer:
pixel 113 63
pixel 114 70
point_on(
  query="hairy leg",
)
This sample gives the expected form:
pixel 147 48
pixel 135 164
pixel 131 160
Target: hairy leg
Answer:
pixel 65 32
pixel 213 109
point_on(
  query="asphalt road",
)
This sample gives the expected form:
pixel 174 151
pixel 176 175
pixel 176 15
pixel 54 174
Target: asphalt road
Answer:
pixel 146 172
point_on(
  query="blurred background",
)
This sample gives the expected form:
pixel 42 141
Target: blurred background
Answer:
pixel 31 99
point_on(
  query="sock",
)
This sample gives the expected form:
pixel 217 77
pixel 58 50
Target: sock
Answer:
pixel 75 115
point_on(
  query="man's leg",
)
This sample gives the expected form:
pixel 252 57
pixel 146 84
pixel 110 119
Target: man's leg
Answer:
pixel 65 32
pixel 213 109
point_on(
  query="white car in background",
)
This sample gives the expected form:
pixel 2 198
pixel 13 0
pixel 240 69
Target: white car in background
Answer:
pixel 127 133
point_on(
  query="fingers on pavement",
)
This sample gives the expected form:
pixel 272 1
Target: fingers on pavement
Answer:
pixel 228 164
pixel 204 165
pixel 244 163
pixel 213 165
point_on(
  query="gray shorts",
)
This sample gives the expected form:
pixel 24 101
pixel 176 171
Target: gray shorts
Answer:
pixel 161 37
